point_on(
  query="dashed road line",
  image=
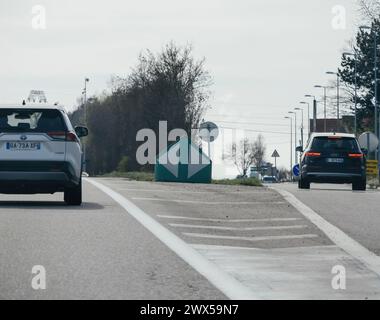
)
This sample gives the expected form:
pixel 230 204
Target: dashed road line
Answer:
pixel 253 239
pixel 227 220
pixel 252 249
pixel 191 192
pixel 191 226
pixel 207 202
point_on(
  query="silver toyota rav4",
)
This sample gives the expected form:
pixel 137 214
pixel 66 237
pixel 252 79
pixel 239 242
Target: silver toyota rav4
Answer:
pixel 40 152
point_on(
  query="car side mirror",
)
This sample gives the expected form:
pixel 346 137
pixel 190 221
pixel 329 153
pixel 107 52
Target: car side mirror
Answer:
pixel 81 131
pixel 299 149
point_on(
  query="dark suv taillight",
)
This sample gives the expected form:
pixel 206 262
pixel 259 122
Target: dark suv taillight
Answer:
pixel 356 155
pixel 312 154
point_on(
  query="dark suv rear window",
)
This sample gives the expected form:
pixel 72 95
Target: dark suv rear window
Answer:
pixel 31 120
pixel 334 145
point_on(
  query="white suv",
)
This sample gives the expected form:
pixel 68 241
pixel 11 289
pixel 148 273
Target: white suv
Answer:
pixel 40 152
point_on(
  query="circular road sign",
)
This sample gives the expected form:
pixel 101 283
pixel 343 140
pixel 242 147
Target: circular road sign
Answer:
pixel 208 131
pixel 369 141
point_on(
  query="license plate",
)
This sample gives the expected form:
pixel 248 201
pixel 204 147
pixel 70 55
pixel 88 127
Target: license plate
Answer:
pixel 23 146
pixel 335 160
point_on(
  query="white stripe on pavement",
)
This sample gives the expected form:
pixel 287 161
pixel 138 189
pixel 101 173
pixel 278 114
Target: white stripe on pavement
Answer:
pixel 232 288
pixel 342 240
pixel 206 202
pixel 191 192
pixel 222 248
pixel 227 220
pixel 209 236
pixel 180 225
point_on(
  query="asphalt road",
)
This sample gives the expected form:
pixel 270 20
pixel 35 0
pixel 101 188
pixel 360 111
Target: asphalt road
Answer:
pixel 94 252
pixel 241 237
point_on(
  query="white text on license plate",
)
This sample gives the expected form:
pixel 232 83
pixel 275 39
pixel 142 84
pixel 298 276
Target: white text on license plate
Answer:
pixel 335 160
pixel 16 146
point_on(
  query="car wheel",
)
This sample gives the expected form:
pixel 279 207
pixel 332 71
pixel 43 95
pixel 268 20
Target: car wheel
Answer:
pixel 303 184
pixel 359 185
pixel 73 196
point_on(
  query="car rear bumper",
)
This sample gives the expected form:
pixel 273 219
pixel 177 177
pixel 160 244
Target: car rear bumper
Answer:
pixel 333 177
pixel 36 176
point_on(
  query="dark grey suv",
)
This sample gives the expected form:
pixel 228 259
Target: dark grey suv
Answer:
pixel 333 158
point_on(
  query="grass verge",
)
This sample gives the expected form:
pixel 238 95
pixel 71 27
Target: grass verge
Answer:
pixel 243 182
pixel 133 175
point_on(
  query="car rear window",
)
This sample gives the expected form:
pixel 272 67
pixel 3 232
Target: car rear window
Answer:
pixel 31 120
pixel 334 144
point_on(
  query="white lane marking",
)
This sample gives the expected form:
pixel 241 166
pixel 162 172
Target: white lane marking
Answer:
pixel 207 202
pixel 216 247
pixel 232 288
pixel 342 240
pixel 190 192
pixel 180 225
pixel 209 236
pixel 227 220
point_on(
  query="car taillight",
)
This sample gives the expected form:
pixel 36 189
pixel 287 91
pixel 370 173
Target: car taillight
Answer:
pixel 62 135
pixel 355 155
pixel 70 136
pixel 312 154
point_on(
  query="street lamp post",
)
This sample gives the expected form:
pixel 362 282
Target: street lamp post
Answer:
pixel 325 104
pixel 291 145
pixel 314 111
pixel 295 135
pixel 375 69
pixel 345 54
pixel 86 80
pixel 308 116
pixel 337 96
pixel 300 109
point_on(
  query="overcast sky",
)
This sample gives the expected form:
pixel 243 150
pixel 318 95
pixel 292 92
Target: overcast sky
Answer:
pixel 263 55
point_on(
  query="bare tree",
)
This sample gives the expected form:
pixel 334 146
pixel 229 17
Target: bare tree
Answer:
pixel 259 150
pixel 246 153
pixel 242 155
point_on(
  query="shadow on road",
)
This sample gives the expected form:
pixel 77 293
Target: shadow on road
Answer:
pixel 47 205
pixel 342 190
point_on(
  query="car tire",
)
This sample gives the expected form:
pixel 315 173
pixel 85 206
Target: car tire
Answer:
pixel 73 196
pixel 359 185
pixel 303 184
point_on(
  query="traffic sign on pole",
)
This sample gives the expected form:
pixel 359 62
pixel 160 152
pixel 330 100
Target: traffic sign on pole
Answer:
pixel 296 170
pixel 372 167
pixel 275 155
pixel 369 141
